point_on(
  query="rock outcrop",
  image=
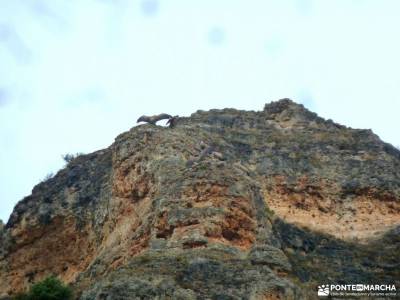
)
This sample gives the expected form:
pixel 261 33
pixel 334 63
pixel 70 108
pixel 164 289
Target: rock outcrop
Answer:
pixel 228 204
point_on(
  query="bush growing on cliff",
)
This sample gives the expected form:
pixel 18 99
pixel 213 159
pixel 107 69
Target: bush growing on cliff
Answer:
pixel 49 289
pixel 48 176
pixel 70 157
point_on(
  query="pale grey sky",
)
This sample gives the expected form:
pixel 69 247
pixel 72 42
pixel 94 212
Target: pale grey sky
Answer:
pixel 74 74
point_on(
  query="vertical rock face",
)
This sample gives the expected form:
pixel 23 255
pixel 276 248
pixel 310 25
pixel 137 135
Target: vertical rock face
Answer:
pixel 227 204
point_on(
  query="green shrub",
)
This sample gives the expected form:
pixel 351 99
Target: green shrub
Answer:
pixel 49 289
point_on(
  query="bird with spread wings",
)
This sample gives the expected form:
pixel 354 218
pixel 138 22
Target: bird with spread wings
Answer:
pixel 154 119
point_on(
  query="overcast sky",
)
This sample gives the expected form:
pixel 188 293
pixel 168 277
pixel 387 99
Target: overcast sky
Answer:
pixel 75 74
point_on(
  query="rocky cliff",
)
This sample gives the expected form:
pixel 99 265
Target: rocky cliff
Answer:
pixel 228 204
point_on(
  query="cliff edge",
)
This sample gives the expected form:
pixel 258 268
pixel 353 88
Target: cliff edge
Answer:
pixel 228 204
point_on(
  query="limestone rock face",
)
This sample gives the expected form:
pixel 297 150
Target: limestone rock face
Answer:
pixel 228 204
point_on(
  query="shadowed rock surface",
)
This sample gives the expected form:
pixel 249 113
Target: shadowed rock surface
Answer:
pixel 228 204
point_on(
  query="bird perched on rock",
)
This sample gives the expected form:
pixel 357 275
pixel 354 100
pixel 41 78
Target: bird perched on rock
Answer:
pixel 172 121
pixel 154 119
